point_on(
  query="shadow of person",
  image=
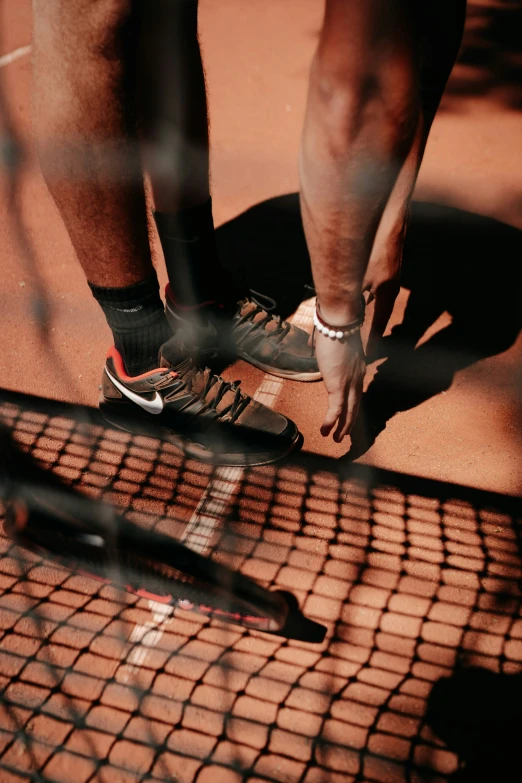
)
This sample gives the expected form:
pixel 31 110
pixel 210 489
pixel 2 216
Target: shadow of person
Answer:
pixel 455 262
pixel 265 249
pixel 458 263
pixel 478 714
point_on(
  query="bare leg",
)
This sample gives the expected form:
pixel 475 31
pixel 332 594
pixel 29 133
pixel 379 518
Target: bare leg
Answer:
pixel 84 119
pixel 174 105
pixel 84 104
pixel 174 122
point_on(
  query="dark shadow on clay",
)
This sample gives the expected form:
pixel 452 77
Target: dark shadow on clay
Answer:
pixel 478 715
pixel 458 263
pixel 265 250
pixel 455 262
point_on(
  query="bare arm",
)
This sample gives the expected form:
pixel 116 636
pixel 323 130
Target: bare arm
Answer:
pixel 362 116
pixel 440 26
pixel 363 111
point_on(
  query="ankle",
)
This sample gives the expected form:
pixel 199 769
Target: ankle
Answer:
pixel 136 317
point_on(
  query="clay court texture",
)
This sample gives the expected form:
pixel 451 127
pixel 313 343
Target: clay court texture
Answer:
pixel 405 545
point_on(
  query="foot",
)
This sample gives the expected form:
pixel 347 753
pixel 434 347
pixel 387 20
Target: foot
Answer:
pixel 199 412
pixel 253 332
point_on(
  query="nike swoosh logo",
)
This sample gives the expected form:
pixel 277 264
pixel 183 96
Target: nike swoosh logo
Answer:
pixel 153 406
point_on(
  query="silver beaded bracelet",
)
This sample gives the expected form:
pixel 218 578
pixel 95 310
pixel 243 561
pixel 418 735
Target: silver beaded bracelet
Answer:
pixel 337 332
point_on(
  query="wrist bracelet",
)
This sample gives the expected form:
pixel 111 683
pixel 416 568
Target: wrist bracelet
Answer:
pixel 337 332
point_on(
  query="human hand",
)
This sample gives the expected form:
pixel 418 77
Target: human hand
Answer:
pixel 343 367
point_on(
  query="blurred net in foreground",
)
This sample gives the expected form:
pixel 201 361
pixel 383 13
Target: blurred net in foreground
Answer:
pixel 416 580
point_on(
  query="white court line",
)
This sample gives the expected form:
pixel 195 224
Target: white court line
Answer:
pixel 146 635
pixel 210 511
pixel 7 59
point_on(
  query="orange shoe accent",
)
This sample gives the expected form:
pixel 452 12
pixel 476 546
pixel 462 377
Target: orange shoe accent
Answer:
pixel 120 367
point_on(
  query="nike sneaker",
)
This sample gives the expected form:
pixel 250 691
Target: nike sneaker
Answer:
pixel 205 416
pixel 253 332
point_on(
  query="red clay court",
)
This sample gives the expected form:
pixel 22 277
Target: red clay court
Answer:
pixel 409 555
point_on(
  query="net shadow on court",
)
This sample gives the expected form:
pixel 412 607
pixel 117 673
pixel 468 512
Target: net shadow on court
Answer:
pixel 417 582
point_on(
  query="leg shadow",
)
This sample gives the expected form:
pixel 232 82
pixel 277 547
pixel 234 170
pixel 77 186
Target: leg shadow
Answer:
pixel 265 249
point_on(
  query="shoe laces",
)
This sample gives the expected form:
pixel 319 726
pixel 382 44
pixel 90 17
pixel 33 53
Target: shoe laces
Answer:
pixel 220 397
pixel 262 315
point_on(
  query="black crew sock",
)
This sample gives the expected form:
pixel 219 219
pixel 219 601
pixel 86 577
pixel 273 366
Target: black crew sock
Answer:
pixel 195 273
pixel 137 319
